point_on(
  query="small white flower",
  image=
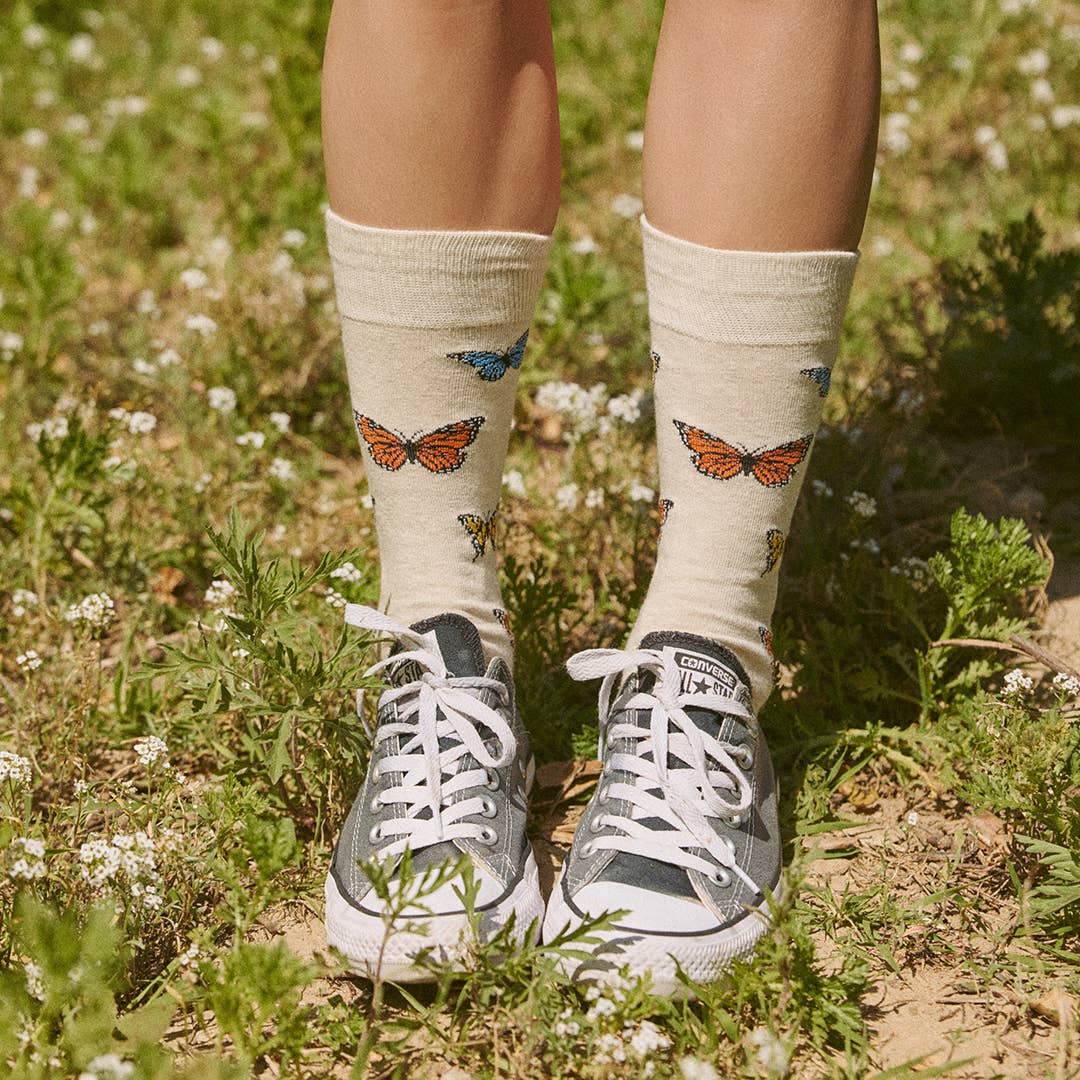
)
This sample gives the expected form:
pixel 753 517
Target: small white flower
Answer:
pixel 194 278
pixel 997 157
pixel 35 982
pixel 202 483
pixel 80 788
pixel 907 80
pixel 627 206
pixel 33 36
pixel 1041 91
pixel 76 124
pixel 108 1067
pixel 1033 62
pixel 29 661
pixel 35 138
pixel 882 246
pixel 221 399
pixel 913 818
pixel 367 500
pixel 30 864
pixel 514 482
pixel 146 302
pixel 15 768
pixel 270 65
pixel 1064 115
pixel 293 238
pixel 566 498
pixel 1069 685
pixel 639 492
pixel 81 48
pixel 594 498
pixel 212 49
pixel 985 134
pixel 28 181
pixel 152 751
pixel 281 420
pixel 694 1068
pixel 10 344
pixel 1017 684
pixel 911 52
pixel 348 572
pixel 634 140
pixel 189 955
pixel 863 505
pixel 141 423
pixel 21 599
pixel 335 599
pixel 87 226
pixel 648 1039
pixel 627 407
pixel 141 366
pixel 895 135
pixel 96 611
pixel 251 438
pixel 187 75
pixel 282 470
pixel 219 595
pixel 772 1055
pixel 203 325
pixel 585 245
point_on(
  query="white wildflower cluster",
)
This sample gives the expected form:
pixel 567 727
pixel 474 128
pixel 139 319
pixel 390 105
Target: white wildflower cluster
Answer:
pixel 221 399
pixel 187 76
pixel 639 492
pixel 1069 685
pixel 219 597
pixel 54 429
pixel 201 324
pixel 819 487
pixel 514 482
pixel 916 570
pixel 27 859
pixel 634 140
pixel 627 407
pixel 15 768
pixel 567 497
pixel 627 206
pixel 1017 684
pixel 251 438
pixel 282 470
pixel 10 344
pixel 594 498
pixel 95 611
pixel 293 238
pixel 584 245
pixel 865 506
pixel 29 661
pixel 138 423
pixel 194 278
pixel 987 139
pixel 695 1068
pixel 895 133
pixel 35 980
pixel 868 544
pixel 128 858
pixel 152 751
pixel 188 957
pixel 348 572
pixel 108 1067
pixel 772 1055
pixel 579 407
pixel 281 420
pixel 335 599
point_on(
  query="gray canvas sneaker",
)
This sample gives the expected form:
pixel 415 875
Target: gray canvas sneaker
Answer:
pixel 449 774
pixel 681 832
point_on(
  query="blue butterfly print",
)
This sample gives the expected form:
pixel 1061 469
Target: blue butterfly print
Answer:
pixel 491 366
pixel 821 375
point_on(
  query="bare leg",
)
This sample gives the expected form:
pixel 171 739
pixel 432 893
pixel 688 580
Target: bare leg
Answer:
pixel 442 114
pixel 761 127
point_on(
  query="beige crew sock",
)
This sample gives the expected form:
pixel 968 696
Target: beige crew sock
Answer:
pixel 743 345
pixel 434 325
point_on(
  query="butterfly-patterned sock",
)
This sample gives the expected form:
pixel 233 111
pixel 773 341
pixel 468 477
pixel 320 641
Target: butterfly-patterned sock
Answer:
pixel 743 345
pixel 434 325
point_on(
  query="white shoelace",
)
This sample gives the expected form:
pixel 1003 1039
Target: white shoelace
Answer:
pixel 686 797
pixel 436 706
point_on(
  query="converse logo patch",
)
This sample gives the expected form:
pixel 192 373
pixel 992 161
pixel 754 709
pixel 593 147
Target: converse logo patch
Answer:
pixel 701 674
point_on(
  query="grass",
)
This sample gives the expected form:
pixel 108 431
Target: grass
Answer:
pixel 169 349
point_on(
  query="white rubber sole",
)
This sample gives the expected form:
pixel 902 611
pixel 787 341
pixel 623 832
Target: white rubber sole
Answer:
pixel 363 941
pixel 704 957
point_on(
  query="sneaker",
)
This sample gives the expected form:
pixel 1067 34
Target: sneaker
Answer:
pixel 681 833
pixel 449 774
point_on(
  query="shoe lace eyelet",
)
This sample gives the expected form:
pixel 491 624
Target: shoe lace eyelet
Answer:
pixel 720 877
pixel 489 809
pixel 745 757
pixel 492 782
pixel 376 803
pixel 596 824
pixel 737 821
pixel 488 836
pixel 589 850
pixel 375 834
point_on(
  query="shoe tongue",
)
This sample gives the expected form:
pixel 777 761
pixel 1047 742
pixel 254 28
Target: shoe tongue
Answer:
pixel 459 645
pixel 705 667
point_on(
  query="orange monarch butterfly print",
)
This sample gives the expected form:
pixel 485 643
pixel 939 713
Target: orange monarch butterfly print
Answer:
pixel 720 460
pixel 664 506
pixel 439 451
pixel 504 621
pixel 766 639
pixel 481 531
pixel 775 542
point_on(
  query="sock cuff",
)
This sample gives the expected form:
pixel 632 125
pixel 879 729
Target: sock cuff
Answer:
pixel 435 278
pixel 745 297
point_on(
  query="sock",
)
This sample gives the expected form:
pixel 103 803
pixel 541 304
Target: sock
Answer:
pixel 434 325
pixel 743 345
